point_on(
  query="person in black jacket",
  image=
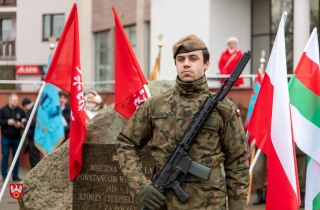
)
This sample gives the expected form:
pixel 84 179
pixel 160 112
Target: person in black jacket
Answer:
pixel 66 112
pixel 10 121
pixel 34 153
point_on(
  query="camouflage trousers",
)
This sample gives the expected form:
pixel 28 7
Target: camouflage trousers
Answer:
pixel 203 195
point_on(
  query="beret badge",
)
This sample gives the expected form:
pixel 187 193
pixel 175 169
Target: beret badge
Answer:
pixel 187 45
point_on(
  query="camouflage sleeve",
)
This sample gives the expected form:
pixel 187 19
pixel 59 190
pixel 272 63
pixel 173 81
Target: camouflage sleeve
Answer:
pixel 134 136
pixel 235 146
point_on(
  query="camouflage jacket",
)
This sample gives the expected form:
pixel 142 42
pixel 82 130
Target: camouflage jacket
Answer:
pixel 165 117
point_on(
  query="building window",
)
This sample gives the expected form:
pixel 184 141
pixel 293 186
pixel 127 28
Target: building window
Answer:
pixel 277 9
pixel 7 72
pixel 6 29
pixel 266 16
pixel 102 57
pixel 131 34
pixel 52 26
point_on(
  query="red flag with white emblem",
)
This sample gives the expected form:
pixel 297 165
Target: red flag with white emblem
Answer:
pixel 129 90
pixel 65 73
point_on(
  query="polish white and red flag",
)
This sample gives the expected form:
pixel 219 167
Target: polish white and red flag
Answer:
pixel 130 81
pixel 65 73
pixel 271 126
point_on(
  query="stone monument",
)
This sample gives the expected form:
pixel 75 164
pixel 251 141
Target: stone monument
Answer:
pixel 101 184
pixel 48 186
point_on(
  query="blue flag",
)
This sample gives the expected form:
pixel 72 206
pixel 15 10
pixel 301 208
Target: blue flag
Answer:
pixel 49 131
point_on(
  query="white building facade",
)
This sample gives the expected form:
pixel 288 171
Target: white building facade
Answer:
pixel 211 20
pixel 28 25
pixel 253 22
pixel 25 28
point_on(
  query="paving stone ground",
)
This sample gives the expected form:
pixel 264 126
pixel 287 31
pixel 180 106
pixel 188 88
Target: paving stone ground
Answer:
pixel 7 202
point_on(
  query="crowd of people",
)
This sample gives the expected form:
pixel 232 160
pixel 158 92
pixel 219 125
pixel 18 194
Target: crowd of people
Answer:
pixel 13 119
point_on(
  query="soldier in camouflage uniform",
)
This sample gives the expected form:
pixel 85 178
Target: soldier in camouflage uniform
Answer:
pixel 166 116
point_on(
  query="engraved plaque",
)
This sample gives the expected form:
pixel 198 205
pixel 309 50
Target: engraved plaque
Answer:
pixel 101 184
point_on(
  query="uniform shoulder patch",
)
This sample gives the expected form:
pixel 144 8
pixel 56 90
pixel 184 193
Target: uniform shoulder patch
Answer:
pixel 238 112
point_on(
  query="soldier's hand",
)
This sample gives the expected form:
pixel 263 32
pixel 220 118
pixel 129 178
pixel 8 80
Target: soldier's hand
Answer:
pixel 150 197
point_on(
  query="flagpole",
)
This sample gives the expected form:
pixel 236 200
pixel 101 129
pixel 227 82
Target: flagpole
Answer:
pixel 22 140
pixel 147 90
pixel 252 155
pixel 262 61
pixel 251 174
pixel 255 160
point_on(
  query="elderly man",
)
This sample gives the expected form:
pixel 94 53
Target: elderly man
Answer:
pixel 10 121
pixel 166 116
pixel 230 58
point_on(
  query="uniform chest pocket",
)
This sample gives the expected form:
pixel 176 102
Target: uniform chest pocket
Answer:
pixel 212 124
pixel 160 118
pixel 209 132
pixel 211 127
pixel 163 129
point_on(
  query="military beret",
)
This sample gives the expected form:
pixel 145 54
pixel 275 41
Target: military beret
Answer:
pixel 188 44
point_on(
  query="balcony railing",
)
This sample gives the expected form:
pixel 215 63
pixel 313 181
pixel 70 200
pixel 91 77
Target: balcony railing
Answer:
pixel 7 49
pixel 8 2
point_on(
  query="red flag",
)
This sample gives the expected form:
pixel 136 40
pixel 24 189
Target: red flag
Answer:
pixel 65 73
pixel 271 126
pixel 129 92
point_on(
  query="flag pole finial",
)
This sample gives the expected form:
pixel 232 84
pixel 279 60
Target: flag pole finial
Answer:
pixel 159 57
pixel 160 39
pixel 262 59
pixel 52 40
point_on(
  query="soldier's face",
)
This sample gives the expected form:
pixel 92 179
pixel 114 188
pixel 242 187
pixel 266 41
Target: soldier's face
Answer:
pixel 190 66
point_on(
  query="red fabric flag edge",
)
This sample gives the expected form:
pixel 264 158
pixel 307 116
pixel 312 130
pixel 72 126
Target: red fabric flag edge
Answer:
pixel 76 125
pixel 117 19
pixel 56 56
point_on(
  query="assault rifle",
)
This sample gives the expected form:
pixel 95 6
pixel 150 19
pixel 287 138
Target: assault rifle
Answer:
pixel 179 166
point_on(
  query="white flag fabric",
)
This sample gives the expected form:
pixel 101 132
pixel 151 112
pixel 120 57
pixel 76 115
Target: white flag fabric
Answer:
pixel 304 90
pixel 270 124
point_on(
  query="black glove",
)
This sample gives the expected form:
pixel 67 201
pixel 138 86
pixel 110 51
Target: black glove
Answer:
pixel 150 197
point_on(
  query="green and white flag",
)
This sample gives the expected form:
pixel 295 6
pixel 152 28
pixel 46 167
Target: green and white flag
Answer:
pixel 304 91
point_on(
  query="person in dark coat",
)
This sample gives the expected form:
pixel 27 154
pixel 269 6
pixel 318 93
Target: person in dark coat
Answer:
pixel 66 112
pixel 10 121
pixel 34 153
